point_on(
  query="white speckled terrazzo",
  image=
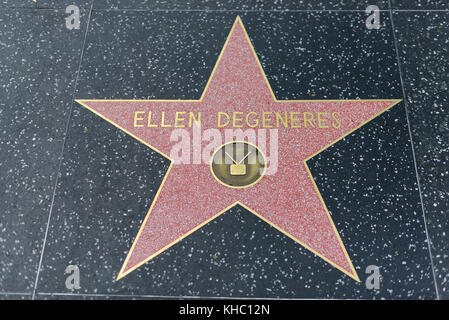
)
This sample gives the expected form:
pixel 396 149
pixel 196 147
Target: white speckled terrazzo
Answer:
pixel 107 180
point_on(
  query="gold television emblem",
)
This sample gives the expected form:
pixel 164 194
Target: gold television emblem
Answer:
pixel 238 164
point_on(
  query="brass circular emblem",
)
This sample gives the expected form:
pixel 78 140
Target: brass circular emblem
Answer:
pixel 238 164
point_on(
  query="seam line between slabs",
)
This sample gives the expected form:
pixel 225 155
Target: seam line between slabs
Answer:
pixel 62 154
pixel 413 150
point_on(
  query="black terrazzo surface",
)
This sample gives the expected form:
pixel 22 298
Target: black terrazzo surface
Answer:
pixel 107 180
pixel 45 4
pixel 258 5
pixel 424 52
pixel 420 4
pixel 40 60
pixel 14 296
pixel 238 255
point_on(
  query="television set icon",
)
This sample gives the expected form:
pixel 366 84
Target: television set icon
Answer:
pixel 237 169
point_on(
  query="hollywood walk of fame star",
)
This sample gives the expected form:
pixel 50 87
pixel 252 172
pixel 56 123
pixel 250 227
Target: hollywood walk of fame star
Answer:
pixel 191 195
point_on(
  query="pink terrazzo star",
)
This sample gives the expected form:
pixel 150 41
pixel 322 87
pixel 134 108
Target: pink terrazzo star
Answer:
pixel 190 196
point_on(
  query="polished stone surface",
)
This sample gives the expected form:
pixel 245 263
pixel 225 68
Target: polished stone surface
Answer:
pixel 17 3
pixel 420 4
pixel 14 296
pixel 423 49
pixel 107 180
pixel 45 4
pixel 40 60
pixel 258 5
